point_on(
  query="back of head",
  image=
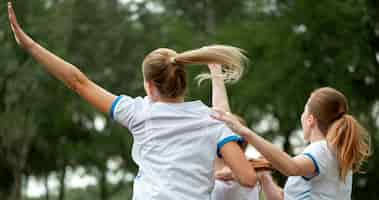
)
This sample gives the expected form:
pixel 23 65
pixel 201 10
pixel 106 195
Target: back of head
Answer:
pixel 166 68
pixel 344 134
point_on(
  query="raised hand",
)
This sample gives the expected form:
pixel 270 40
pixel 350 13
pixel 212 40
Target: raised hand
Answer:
pixel 215 69
pixel 69 74
pixel 21 37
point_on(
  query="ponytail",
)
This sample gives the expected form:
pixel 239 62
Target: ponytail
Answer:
pixel 166 68
pixel 350 142
pixel 231 58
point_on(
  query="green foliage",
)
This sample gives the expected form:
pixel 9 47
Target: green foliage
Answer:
pixel 294 47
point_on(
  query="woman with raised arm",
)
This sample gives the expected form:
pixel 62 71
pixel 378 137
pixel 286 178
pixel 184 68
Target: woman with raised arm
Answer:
pixel 338 146
pixel 226 188
pixel 175 142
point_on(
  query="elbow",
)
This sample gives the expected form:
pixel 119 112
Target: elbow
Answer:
pixel 76 81
pixel 248 180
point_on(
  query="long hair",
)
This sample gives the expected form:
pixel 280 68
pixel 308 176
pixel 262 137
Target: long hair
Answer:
pixel 166 68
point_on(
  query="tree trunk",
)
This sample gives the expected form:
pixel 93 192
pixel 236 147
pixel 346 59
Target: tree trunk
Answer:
pixel 17 185
pixel 103 184
pixel 46 184
pixel 62 180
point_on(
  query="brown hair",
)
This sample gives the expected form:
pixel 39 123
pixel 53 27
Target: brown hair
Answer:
pixel 166 68
pixel 344 134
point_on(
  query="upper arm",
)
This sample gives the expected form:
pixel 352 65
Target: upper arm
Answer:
pixel 235 158
pixel 306 166
pixel 97 96
pixel 314 160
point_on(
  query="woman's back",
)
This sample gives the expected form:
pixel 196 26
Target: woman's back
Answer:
pixel 175 146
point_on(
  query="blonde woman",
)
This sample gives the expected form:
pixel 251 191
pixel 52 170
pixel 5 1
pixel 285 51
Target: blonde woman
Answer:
pixel 338 146
pixel 175 142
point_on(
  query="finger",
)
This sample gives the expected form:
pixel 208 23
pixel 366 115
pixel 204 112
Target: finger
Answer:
pixel 13 22
pixel 221 173
pixel 222 111
pixel 12 17
pixel 216 68
pixel 220 177
pixel 217 65
pixel 220 114
pixel 223 177
pixel 221 118
pixel 226 179
pixel 219 111
pixel 10 10
pixel 217 116
pixel 11 14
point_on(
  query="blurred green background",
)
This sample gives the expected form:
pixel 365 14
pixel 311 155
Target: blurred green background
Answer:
pixel 55 146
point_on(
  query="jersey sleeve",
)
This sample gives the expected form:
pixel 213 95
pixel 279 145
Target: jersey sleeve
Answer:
pixel 227 136
pixel 125 109
pixel 317 153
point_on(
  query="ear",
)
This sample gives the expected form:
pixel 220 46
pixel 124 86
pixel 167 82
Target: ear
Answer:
pixel 152 90
pixel 311 121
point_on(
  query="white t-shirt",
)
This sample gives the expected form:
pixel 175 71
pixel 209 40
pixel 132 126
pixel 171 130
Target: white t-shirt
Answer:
pixel 326 185
pixel 231 190
pixel 175 145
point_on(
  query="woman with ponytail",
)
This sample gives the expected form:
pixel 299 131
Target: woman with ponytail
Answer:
pixel 175 142
pixel 338 146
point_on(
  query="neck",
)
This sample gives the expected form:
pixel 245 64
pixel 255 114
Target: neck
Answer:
pixel 316 136
pixel 171 100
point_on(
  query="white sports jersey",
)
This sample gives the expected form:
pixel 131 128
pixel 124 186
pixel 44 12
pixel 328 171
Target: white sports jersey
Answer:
pixel 175 145
pixel 231 190
pixel 326 185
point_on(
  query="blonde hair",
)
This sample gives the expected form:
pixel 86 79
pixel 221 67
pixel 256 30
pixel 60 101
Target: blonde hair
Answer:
pixel 347 138
pixel 166 68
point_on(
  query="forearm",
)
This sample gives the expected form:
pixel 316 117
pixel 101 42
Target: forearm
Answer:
pixel 278 158
pixel 56 66
pixel 219 94
pixel 270 189
pixel 234 158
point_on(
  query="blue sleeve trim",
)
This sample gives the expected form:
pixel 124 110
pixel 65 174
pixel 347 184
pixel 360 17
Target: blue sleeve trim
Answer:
pixel 315 164
pixel 114 104
pixel 226 140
